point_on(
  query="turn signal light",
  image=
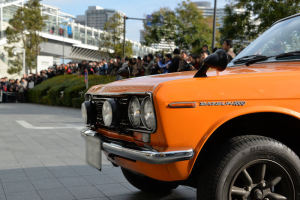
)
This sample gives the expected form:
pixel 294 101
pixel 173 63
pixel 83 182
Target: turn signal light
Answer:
pixel 142 137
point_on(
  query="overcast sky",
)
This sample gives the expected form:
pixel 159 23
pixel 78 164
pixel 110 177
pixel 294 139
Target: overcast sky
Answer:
pixel 132 8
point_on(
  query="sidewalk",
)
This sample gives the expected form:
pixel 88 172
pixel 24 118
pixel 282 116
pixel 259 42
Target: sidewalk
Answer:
pixel 46 160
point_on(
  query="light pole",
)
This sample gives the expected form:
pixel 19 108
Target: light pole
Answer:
pixel 214 26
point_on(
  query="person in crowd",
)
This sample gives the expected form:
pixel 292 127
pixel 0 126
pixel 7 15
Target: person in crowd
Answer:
pixel 228 47
pixel 205 49
pixel 124 71
pixel 110 66
pixel 149 66
pixel 140 68
pixel 167 63
pixel 135 70
pixel 185 62
pixel 175 61
pixel 103 67
pixel 215 49
pixel 157 61
pixel 196 62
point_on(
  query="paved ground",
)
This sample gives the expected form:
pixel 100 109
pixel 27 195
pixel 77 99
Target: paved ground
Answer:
pixel 42 157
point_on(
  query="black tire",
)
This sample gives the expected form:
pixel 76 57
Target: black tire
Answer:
pixel 147 184
pixel 251 167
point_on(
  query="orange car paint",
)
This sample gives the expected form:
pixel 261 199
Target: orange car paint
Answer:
pixel 265 87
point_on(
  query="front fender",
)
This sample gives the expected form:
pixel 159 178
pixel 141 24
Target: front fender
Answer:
pixel 235 114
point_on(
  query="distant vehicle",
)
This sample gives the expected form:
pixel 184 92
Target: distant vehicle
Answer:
pixel 233 135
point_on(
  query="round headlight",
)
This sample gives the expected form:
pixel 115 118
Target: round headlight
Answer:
pixel 84 113
pixel 87 112
pixel 148 115
pixel 107 113
pixel 134 112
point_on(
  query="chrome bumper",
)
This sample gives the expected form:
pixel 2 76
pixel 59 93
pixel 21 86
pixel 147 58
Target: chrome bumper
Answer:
pixel 152 157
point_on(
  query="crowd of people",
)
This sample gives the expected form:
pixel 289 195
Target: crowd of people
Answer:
pixel 14 90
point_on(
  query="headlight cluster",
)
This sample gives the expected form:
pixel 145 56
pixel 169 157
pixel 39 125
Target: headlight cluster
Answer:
pixel 142 112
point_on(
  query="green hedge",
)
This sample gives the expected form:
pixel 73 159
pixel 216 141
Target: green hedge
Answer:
pixel 65 90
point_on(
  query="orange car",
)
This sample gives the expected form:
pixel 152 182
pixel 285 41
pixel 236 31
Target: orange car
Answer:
pixel 233 133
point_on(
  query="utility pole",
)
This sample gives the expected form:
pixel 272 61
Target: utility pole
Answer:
pixel 124 35
pixel 63 35
pixel 214 26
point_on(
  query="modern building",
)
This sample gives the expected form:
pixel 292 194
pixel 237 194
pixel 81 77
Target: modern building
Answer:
pixel 208 11
pixel 64 38
pixel 96 17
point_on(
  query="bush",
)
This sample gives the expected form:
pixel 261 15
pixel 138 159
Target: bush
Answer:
pixel 65 90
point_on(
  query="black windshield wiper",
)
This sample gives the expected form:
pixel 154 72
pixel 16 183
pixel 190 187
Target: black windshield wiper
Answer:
pixel 288 54
pixel 248 60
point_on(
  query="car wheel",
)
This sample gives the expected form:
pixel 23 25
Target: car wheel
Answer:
pixel 147 184
pixel 251 167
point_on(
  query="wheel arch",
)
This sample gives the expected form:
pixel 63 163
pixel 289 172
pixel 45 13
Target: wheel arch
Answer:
pixel 268 122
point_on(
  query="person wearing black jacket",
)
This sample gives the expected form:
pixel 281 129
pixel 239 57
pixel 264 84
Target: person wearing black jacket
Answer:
pixel 175 61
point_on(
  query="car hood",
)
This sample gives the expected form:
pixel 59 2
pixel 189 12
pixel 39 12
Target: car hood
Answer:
pixel 149 83
pixel 140 84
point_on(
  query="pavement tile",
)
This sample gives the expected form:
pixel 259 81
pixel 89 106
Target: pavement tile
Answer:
pixel 2 197
pixel 14 178
pixel 63 171
pixel 85 170
pixel 18 187
pixel 100 179
pixel 56 194
pixel 130 187
pixel 113 189
pixel 98 198
pixel 23 196
pixel 84 192
pixel 38 173
pixel 46 184
pixel 135 196
pixel 74 181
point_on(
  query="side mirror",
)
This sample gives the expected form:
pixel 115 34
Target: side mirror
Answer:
pixel 217 60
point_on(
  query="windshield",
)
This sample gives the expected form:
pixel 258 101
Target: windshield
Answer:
pixel 281 38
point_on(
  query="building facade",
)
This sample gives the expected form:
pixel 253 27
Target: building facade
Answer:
pixel 96 17
pixel 208 11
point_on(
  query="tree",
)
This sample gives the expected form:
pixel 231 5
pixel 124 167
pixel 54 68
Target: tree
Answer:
pixel 128 49
pixel 246 19
pixel 114 26
pixel 24 28
pixel 193 30
pixel 185 26
pixel 111 41
pixel 163 27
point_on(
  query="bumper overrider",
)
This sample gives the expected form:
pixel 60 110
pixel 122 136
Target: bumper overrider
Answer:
pixel 148 156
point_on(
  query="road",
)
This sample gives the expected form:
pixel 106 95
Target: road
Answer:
pixel 42 158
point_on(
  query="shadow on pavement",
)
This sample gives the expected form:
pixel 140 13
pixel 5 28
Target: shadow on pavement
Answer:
pixel 75 182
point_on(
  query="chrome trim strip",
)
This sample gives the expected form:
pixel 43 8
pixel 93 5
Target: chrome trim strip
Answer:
pixel 182 105
pixel 151 157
